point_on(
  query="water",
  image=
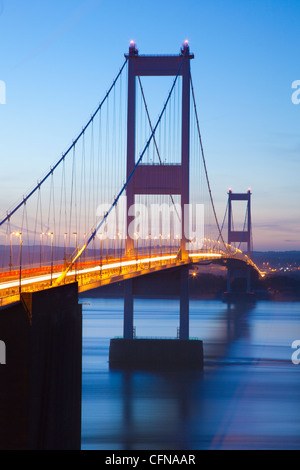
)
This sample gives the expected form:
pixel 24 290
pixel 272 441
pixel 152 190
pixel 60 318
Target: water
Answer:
pixel 247 397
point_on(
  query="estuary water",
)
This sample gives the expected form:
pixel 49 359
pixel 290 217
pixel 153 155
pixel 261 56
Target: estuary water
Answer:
pixel 247 396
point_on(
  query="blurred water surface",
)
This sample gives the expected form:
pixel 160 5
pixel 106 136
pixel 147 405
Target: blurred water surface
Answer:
pixel 247 397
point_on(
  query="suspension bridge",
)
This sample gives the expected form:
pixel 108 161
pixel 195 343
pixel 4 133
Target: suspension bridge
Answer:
pixel 129 199
pixel 120 201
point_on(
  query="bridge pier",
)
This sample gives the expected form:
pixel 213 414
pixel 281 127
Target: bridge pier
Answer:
pixel 131 352
pixel 128 309
pixel 248 281
pixel 40 393
pixel 184 327
pixel 236 236
pixel 240 295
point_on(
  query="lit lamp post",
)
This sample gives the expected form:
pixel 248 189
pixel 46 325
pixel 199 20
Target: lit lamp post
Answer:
pixel 116 238
pixel 101 253
pixel 75 234
pixel 50 234
pixel 150 249
pixel 148 238
pixel 160 235
pixel 155 238
pixel 10 253
pixel 85 251
pixel 65 249
pixel 120 248
pixel 169 238
pixel 18 234
pixel 177 244
pixel 41 245
pixel 137 248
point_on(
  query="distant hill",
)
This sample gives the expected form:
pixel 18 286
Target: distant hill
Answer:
pixel 277 258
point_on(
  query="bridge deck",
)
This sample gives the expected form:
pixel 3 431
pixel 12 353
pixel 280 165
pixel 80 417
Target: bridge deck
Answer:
pixel 91 275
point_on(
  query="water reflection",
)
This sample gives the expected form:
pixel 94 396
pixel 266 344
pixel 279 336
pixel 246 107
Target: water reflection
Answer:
pixel 232 325
pixel 246 397
pixel 157 409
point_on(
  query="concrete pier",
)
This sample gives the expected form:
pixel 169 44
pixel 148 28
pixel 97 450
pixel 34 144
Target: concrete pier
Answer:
pixel 155 354
pixel 40 392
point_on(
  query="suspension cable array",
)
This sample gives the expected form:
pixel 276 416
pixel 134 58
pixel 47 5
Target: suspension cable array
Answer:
pixel 79 251
pixel 72 225
pixel 205 168
pixel 64 155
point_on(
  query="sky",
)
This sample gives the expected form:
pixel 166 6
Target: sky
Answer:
pixel 58 59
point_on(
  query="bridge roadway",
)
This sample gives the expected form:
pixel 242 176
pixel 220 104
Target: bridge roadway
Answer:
pixel 93 274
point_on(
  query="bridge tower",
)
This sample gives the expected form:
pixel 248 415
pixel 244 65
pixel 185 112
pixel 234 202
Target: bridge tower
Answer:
pixel 240 236
pixel 158 179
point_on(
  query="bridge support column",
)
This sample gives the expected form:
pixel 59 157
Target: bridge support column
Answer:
pixel 128 309
pixel 184 303
pixel 182 353
pixel 241 237
pixel 242 290
pixel 40 392
pixel 228 281
pixel 248 281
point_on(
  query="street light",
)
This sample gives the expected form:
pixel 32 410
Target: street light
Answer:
pixel 177 244
pixel 101 252
pixel 50 234
pixel 169 238
pixel 137 248
pixel 160 235
pixel 120 248
pixel 41 244
pixel 75 234
pixel 10 253
pixel 155 238
pixel 148 237
pixel 65 249
pixel 18 234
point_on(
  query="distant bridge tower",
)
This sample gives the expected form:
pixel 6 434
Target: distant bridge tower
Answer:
pixel 240 236
pixel 158 179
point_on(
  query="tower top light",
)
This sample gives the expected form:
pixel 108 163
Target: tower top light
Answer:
pixel 185 47
pixel 132 48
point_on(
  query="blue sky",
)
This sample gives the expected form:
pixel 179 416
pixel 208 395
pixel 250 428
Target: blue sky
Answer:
pixel 58 58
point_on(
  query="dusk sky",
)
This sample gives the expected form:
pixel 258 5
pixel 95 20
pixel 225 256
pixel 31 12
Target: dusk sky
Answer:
pixel 58 59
